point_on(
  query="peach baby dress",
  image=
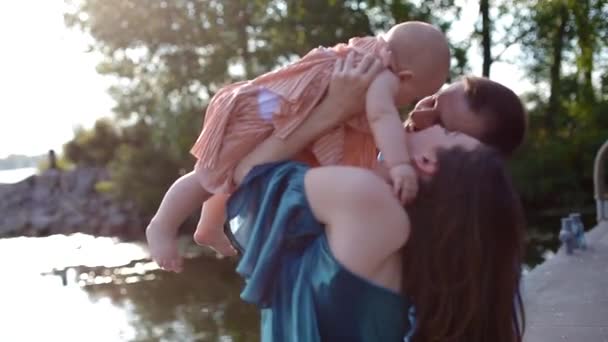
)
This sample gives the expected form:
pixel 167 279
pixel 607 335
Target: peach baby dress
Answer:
pixel 243 114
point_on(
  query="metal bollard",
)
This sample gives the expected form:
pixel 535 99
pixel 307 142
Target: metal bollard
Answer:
pixel 578 230
pixel 567 236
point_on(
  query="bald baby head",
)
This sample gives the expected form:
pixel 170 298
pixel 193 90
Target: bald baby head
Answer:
pixel 421 53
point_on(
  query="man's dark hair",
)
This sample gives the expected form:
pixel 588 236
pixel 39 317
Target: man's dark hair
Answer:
pixel 501 110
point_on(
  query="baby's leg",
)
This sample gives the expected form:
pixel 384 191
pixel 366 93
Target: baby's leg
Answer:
pixel 250 123
pixel 182 198
pixel 210 228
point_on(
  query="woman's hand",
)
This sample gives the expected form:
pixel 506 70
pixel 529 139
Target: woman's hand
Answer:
pixel 348 86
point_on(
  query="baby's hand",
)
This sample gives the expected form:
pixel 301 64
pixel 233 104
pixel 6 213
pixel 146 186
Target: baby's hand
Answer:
pixel 405 182
pixel 385 56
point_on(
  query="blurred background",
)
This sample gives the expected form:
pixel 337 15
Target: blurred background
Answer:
pixel 102 100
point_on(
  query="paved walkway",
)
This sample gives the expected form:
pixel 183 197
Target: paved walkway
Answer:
pixel 566 297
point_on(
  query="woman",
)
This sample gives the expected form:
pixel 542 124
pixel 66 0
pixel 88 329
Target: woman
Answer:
pixel 331 255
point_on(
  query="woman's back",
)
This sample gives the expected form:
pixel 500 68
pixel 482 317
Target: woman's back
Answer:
pixel 305 292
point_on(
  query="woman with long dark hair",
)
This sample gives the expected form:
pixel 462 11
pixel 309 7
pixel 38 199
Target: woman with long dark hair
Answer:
pixel 329 254
pixel 462 261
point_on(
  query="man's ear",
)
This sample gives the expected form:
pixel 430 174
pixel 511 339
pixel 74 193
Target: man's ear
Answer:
pixel 423 118
pixel 426 163
pixel 405 75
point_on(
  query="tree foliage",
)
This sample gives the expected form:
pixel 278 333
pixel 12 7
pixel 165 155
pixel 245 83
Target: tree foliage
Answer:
pixel 95 147
pixel 568 122
pixel 170 57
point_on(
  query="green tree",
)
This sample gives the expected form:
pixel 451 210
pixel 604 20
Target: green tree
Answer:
pixel 142 169
pixel 93 147
pixel 566 124
pixel 494 29
pixel 486 36
pixel 170 57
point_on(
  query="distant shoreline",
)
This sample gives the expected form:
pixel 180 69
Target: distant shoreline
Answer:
pixel 18 161
pixel 11 176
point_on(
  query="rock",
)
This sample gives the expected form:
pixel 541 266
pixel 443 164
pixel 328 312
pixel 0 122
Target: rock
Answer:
pixel 41 193
pixel 14 223
pixel 118 219
pixel 74 222
pixel 57 202
pixel 42 222
pixel 85 181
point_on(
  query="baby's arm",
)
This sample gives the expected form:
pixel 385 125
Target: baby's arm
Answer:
pixel 389 134
pixel 272 149
pixel 384 120
pixel 344 99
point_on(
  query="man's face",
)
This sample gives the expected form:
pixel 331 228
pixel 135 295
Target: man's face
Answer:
pixel 448 108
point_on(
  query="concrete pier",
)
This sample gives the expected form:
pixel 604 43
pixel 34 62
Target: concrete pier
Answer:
pixel 566 297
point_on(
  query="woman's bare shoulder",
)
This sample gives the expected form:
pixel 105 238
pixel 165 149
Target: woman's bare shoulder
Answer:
pixel 350 183
pixel 342 193
pixel 365 223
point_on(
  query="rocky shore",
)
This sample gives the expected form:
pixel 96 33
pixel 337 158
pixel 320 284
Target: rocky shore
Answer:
pixel 65 202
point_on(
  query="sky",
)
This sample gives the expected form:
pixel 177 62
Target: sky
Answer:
pixel 49 86
pixel 48 82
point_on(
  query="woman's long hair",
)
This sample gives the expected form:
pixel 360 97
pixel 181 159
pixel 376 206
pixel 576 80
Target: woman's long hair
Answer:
pixel 462 263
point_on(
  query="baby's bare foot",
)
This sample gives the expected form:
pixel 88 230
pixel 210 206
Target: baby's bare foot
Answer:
pixel 216 239
pixel 163 248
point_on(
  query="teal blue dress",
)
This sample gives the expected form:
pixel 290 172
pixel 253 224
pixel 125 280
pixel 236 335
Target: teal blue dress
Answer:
pixel 303 292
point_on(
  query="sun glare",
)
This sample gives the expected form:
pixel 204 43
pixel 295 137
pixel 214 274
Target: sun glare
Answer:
pixel 48 83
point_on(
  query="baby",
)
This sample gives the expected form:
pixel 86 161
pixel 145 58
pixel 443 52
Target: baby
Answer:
pixel 242 115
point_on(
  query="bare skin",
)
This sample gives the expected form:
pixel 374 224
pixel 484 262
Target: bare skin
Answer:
pixel 416 77
pixel 180 200
pixel 419 61
pixel 345 98
pixel 186 194
pixel 350 200
pixel 448 108
pixel 213 214
pixel 412 77
pixel 348 82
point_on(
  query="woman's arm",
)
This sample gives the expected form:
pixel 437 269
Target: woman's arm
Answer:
pixel 365 224
pixel 345 97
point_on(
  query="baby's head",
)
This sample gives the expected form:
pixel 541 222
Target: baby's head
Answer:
pixel 420 56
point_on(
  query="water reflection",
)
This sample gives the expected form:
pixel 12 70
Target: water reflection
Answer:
pixel 116 294
pixel 200 304
pixel 16 175
pixel 82 288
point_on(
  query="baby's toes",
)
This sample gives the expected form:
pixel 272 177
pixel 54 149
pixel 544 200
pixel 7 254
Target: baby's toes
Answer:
pixel 161 263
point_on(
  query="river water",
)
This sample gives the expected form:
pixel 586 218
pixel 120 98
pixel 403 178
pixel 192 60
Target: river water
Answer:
pixel 15 175
pixel 83 288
